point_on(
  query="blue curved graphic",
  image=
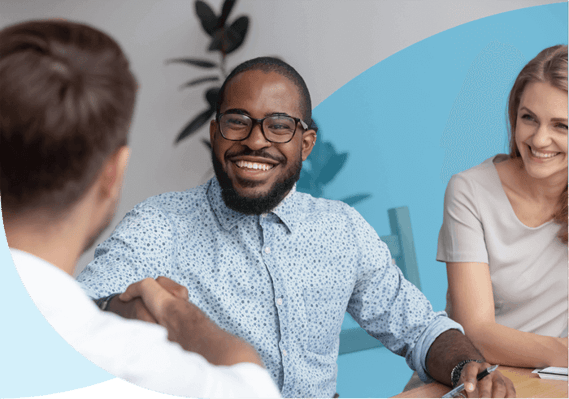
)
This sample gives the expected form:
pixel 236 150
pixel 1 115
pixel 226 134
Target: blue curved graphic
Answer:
pixel 429 111
pixel 408 124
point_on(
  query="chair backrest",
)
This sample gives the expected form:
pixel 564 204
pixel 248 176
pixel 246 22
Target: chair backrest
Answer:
pixel 400 242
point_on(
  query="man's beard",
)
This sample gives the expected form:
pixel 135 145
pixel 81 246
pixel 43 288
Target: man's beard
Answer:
pixel 259 205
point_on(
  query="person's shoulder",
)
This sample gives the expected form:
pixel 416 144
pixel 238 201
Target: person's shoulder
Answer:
pixel 483 171
pixel 483 175
pixel 330 211
pixel 176 201
pixel 314 205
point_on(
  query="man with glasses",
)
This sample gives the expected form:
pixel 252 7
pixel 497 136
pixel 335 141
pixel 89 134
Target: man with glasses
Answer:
pixel 276 267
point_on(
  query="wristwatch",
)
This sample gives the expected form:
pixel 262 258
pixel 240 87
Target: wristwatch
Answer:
pixel 457 371
pixel 103 303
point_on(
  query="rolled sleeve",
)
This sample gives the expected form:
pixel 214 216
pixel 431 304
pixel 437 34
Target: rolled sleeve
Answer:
pixel 418 360
pixel 389 307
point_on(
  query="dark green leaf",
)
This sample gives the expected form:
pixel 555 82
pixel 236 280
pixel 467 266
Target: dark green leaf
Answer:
pixel 236 34
pixel 325 152
pixel 304 186
pixel 207 17
pixel 332 168
pixel 193 61
pixel 211 96
pixel 230 39
pixel 354 199
pixel 200 80
pixel 195 124
pixel 305 180
pixel 206 143
pixel 217 40
pixel 227 7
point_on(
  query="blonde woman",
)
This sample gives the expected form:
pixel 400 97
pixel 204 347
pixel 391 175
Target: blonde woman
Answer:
pixel 504 233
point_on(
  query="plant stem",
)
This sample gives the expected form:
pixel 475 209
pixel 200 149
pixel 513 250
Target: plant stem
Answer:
pixel 222 65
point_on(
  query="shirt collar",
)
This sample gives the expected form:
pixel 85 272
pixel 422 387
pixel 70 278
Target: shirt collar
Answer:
pixel 286 211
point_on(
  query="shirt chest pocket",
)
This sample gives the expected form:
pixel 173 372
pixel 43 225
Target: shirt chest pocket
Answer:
pixel 324 310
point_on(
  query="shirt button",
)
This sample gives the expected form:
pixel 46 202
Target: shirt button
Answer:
pixel 267 250
pixel 279 301
pixel 284 352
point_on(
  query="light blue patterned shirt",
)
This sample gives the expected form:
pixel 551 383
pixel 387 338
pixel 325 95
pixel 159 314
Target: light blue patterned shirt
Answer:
pixel 282 281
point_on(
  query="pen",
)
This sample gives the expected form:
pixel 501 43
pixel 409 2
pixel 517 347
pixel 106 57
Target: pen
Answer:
pixel 480 375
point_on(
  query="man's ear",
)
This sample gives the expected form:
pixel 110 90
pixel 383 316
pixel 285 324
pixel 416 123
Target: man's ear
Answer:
pixel 308 141
pixel 114 168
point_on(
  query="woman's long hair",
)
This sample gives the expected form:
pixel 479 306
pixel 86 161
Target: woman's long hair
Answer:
pixel 549 66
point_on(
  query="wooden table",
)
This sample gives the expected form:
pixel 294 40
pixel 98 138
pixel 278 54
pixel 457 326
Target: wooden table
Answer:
pixel 527 385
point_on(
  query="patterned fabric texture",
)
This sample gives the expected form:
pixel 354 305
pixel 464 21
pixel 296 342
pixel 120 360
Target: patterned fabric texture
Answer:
pixel 282 281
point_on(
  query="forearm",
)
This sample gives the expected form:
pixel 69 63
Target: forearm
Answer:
pixel 449 349
pixel 196 333
pixel 511 347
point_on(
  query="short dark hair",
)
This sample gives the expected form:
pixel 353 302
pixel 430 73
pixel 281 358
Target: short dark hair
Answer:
pixel 271 64
pixel 66 101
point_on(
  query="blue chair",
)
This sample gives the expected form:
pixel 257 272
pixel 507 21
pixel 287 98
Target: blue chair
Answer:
pixel 400 242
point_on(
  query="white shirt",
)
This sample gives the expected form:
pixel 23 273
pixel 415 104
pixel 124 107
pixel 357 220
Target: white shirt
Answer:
pixel 136 351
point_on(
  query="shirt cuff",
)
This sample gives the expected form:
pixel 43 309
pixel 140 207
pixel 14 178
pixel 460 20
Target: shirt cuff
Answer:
pixel 439 325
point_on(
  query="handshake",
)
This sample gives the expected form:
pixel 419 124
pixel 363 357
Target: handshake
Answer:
pixel 165 302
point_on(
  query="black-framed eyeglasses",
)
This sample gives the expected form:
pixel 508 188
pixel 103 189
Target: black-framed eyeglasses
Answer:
pixel 278 128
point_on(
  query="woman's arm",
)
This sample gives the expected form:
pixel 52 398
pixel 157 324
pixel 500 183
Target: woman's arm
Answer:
pixel 472 305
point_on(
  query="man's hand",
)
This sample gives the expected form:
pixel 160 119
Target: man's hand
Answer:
pixel 135 308
pixel 494 385
pixel 452 347
pixel 156 296
pixel 188 325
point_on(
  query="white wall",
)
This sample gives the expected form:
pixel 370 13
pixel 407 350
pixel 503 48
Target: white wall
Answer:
pixel 328 41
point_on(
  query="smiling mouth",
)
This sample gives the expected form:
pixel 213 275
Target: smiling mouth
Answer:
pixel 543 155
pixel 254 165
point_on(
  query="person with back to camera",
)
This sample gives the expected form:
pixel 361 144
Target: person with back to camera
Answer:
pixel 66 101
pixel 504 232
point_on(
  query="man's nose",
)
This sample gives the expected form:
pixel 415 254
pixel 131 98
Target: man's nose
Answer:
pixel 256 139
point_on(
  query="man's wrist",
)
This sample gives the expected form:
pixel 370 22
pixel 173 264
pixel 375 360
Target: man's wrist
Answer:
pixel 457 370
pixel 103 303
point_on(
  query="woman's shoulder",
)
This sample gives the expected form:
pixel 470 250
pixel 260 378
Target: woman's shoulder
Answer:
pixel 482 176
pixel 485 169
pixel 480 183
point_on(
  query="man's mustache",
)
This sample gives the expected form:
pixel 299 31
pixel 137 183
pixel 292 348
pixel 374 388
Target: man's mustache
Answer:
pixel 257 153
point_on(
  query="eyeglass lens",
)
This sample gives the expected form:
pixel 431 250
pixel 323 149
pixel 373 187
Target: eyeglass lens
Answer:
pixel 278 128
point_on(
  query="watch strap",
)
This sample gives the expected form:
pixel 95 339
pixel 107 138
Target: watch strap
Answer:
pixel 457 370
pixel 103 303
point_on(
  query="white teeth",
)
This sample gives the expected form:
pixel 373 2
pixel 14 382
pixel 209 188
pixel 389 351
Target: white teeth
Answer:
pixel 542 155
pixel 254 165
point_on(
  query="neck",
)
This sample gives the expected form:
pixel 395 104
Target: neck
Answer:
pixel 543 190
pixel 58 242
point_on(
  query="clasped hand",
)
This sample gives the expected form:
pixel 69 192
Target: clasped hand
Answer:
pixel 147 299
